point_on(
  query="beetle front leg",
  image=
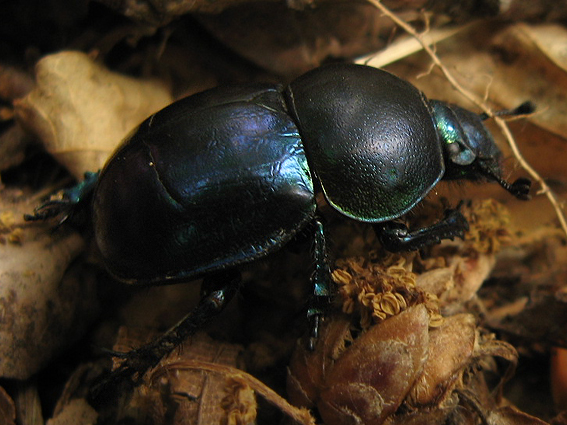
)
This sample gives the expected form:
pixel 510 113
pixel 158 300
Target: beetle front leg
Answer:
pixel 396 237
pixel 67 202
pixel 322 285
pixel 217 291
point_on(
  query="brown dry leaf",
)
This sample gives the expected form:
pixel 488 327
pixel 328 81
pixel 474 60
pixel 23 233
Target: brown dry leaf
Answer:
pixel 13 143
pixel 157 13
pixel 44 307
pixel 509 64
pixel 81 110
pixel 7 409
pixel 543 318
pixel 298 42
pixel 531 56
pixel 174 394
pixel 77 412
pixel 458 282
pixel 14 83
pixel 535 306
pixel 469 275
pixel 511 416
pixel 307 371
pixel 399 371
pixel 550 39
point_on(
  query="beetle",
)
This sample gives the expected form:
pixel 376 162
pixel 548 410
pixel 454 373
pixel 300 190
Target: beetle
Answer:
pixel 229 175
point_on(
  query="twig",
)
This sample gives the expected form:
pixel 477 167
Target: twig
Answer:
pixel 482 105
pixel 406 46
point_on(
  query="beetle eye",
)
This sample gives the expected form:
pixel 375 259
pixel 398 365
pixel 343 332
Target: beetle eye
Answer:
pixel 459 154
pixel 452 134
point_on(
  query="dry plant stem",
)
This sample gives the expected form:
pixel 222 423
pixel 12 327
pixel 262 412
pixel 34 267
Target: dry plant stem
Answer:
pixel 481 104
pixel 301 416
pixel 402 48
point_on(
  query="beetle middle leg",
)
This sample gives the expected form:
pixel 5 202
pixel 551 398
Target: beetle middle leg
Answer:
pixel 217 291
pixel 322 285
pixel 396 236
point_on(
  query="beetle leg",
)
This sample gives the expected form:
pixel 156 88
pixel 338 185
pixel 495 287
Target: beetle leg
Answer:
pixel 396 236
pixel 67 201
pixel 217 290
pixel 320 279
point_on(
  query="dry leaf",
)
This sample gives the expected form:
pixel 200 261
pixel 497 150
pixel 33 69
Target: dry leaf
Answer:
pixel 81 110
pixel 559 378
pixel 531 57
pixel 174 394
pixel 365 381
pixel 509 64
pixel 7 409
pixel 44 308
pixel 77 412
pixel 298 42
pixel 511 416
pixel 14 83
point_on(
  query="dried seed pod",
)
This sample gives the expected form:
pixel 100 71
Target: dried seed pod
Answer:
pixel 367 381
pixel 370 380
pixel 308 370
pixel 451 347
pixel 396 358
pixel 399 371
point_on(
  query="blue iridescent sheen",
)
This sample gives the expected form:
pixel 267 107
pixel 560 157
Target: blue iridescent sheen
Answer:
pixel 215 180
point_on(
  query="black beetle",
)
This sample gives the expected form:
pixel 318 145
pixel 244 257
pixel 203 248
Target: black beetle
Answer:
pixel 227 176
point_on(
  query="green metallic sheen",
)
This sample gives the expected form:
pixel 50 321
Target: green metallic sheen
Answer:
pixel 452 134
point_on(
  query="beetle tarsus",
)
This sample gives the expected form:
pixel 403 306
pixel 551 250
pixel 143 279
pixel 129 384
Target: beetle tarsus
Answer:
pixel 314 335
pixel 521 188
pixel 218 290
pixel 396 237
pixel 64 204
pixel 52 208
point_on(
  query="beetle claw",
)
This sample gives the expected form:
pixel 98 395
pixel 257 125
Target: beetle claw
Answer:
pixel 52 208
pixel 521 188
pixel 134 364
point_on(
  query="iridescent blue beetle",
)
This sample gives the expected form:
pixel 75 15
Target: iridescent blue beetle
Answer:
pixel 229 175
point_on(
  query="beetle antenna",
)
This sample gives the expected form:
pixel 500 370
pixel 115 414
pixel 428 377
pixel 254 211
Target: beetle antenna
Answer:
pixel 522 109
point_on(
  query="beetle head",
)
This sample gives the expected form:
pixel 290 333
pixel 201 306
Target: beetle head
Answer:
pixel 469 149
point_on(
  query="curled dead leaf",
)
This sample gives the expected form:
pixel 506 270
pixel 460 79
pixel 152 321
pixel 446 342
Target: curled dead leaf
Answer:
pixel 175 394
pixel 81 110
pixel 45 304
